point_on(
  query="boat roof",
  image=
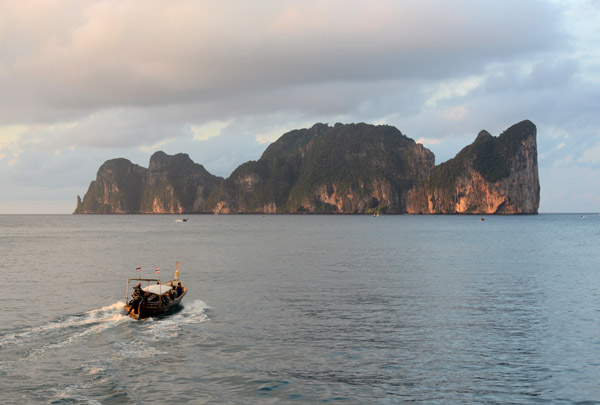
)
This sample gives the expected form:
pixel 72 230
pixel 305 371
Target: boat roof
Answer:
pixel 158 289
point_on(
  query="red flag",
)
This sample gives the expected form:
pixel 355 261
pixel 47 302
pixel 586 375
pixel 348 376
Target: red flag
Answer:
pixel 157 270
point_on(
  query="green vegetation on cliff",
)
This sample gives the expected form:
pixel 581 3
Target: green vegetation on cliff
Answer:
pixel 351 159
pixel 268 180
pixel 123 191
pixel 352 168
pixel 491 156
pixel 256 183
pixel 292 142
pixel 181 174
pixel 171 183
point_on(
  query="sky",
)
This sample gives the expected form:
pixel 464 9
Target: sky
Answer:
pixel 84 81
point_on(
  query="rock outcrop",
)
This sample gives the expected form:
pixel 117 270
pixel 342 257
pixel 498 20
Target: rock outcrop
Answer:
pixel 490 176
pixel 345 169
pixel 171 184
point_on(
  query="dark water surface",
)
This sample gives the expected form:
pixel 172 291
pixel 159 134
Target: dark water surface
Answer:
pixel 342 309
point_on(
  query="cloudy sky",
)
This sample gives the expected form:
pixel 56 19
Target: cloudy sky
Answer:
pixel 84 81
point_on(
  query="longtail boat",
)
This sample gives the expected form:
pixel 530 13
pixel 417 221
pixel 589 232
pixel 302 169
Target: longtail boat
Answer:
pixel 153 297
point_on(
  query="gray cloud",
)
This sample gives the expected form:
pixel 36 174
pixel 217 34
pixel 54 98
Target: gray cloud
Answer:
pixel 109 79
pixel 117 53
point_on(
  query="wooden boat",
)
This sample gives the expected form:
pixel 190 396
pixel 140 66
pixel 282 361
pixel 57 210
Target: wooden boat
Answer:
pixel 158 298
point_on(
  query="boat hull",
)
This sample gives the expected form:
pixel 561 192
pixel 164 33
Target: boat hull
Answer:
pixel 148 310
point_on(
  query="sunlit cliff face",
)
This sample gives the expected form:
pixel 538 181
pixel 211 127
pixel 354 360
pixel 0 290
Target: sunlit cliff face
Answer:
pixel 167 204
pixel 519 193
pixel 349 201
pixel 395 175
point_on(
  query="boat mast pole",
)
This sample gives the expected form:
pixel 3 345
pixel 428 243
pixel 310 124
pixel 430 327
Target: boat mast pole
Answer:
pixel 177 267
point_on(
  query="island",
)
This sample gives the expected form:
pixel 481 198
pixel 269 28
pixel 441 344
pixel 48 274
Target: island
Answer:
pixel 340 169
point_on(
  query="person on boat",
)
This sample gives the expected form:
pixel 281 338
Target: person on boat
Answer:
pixel 179 289
pixel 137 297
pixel 137 291
pixel 174 292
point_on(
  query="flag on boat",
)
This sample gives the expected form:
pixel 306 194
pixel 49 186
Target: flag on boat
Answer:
pixel 139 268
pixel 157 270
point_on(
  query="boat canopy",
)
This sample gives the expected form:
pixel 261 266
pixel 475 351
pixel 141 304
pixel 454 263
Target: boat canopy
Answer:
pixel 158 289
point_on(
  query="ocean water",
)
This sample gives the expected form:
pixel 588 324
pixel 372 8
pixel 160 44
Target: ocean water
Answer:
pixel 303 309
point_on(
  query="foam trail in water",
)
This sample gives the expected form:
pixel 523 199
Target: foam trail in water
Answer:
pixel 138 349
pixel 170 325
pixel 195 312
pixel 94 320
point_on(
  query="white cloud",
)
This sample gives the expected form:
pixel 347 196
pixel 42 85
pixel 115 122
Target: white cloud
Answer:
pixel 452 89
pixel 218 80
pixel 591 155
pixel 557 133
pixel 558 147
pixel 155 146
pixel 208 130
pixel 273 132
pixel 11 133
pixel 268 137
pixel 121 53
pixel 457 113
pixel 426 141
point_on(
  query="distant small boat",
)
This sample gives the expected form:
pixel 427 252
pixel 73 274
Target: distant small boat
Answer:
pixel 156 298
pixel 482 218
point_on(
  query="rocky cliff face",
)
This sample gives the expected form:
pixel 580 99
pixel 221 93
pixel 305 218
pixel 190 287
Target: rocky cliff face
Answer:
pixel 347 169
pixel 490 176
pixel 171 184
pixel 344 169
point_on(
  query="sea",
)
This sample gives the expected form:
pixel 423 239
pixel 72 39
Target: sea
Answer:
pixel 341 309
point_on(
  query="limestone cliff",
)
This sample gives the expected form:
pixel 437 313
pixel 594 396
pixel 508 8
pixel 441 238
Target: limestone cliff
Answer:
pixel 171 184
pixel 349 169
pixel 493 175
pixel 344 169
